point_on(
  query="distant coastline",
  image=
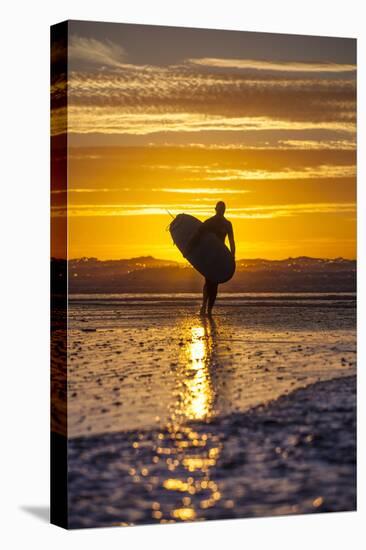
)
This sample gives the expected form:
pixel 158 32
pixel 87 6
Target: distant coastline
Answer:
pixel 146 274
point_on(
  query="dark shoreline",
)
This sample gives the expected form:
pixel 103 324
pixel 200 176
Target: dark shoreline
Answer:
pixel 294 455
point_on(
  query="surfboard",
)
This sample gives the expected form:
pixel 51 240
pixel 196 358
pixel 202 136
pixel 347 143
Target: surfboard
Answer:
pixel 210 256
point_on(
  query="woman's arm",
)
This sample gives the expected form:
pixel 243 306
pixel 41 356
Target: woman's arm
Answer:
pixel 231 240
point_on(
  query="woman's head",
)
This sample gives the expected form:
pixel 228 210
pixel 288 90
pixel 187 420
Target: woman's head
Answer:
pixel 220 208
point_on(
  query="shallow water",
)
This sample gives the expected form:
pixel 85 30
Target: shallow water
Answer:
pixel 163 407
pixel 134 365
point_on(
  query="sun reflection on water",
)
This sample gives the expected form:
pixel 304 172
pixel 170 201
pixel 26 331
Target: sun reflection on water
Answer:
pixel 185 452
pixel 195 450
pixel 198 394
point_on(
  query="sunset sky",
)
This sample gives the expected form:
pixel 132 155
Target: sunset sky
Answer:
pixel 168 118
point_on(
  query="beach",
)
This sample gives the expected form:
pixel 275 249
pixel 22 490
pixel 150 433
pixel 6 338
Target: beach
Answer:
pixel 175 417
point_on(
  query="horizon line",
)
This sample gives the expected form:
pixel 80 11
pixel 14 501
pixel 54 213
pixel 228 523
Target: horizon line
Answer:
pixel 184 263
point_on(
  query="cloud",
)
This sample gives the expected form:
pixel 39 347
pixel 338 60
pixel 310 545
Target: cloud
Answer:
pixel 85 190
pixel 322 171
pixel 152 100
pixel 202 191
pixel 193 191
pixel 285 144
pixel 250 212
pixel 200 95
pixel 279 66
pixel 287 139
pixel 306 144
pixel 210 173
pixel 95 52
pixel 158 90
pixel 109 120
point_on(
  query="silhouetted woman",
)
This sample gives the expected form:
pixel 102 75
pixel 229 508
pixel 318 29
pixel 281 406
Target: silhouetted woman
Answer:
pixel 222 228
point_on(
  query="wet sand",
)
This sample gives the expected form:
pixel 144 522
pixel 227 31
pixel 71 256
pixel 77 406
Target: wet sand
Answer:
pixel 173 417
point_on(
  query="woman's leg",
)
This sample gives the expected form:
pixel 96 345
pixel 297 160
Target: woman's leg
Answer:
pixel 212 293
pixel 204 297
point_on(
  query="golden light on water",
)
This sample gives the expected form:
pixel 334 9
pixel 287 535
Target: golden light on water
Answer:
pixel 184 513
pixel 187 452
pixel 198 463
pixel 198 395
pixel 175 485
pixel 194 451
